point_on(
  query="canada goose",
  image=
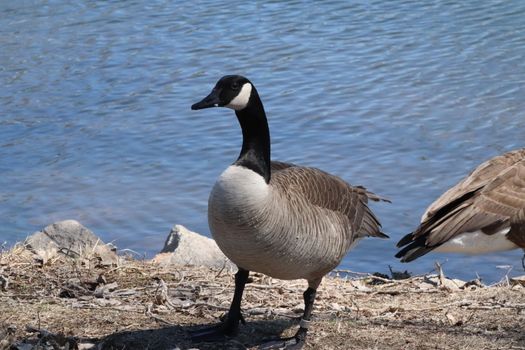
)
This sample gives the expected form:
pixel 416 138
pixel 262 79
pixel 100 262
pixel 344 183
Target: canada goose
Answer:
pixel 279 219
pixel 484 212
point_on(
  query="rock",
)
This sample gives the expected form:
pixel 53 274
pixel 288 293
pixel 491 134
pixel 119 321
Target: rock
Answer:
pixel 184 247
pixel 72 239
pixel 447 283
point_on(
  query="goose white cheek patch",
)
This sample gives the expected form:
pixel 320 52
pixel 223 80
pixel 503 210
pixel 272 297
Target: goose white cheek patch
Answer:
pixel 241 100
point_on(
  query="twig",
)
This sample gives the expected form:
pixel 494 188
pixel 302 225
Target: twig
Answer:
pixel 275 286
pixel 497 306
pixel 20 295
pixel 441 275
pixel 114 308
pixel 198 304
pixel 222 268
pixel 460 303
pixel 161 294
pixel 350 272
pixel 155 317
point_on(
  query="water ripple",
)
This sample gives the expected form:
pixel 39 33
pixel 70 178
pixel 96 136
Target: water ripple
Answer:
pixel 404 97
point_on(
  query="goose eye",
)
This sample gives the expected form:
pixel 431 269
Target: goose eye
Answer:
pixel 235 86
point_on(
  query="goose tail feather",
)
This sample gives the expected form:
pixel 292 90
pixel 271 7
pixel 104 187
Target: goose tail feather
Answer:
pixel 374 197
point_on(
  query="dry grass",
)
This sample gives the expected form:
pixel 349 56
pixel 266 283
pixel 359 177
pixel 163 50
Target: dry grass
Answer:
pixel 75 303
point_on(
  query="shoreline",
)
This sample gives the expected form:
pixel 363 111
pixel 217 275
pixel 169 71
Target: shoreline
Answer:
pixel 78 302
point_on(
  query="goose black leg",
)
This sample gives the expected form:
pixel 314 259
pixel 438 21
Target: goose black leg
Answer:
pixel 298 340
pixel 230 326
pixel 523 260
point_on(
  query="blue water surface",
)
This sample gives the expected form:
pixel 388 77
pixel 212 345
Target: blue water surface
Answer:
pixel 403 97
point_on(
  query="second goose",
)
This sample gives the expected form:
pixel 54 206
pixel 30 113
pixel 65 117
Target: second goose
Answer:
pixel 279 219
pixel 483 213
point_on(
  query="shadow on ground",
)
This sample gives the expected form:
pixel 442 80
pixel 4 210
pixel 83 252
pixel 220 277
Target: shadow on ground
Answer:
pixel 170 337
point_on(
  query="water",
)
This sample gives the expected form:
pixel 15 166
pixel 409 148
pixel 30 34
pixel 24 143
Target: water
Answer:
pixel 404 97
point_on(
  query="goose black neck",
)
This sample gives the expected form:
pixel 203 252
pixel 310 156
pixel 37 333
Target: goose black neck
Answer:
pixel 255 152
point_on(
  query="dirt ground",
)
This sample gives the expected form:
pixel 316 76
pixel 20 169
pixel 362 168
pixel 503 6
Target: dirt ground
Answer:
pixel 78 304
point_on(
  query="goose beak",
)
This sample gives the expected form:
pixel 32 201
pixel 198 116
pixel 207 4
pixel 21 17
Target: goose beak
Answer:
pixel 212 100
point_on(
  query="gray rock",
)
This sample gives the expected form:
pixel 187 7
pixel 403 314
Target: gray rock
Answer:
pixel 184 247
pixel 70 238
pixel 434 281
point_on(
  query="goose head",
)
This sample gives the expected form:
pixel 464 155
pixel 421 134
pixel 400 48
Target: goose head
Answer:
pixel 232 91
pixel 238 93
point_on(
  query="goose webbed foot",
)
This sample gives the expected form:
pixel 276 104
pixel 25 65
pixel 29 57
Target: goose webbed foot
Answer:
pixel 218 332
pixel 292 343
pixel 230 325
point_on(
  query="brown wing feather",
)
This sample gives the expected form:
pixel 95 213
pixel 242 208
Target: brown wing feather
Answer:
pixel 477 179
pixel 330 192
pixel 486 200
pixel 497 202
